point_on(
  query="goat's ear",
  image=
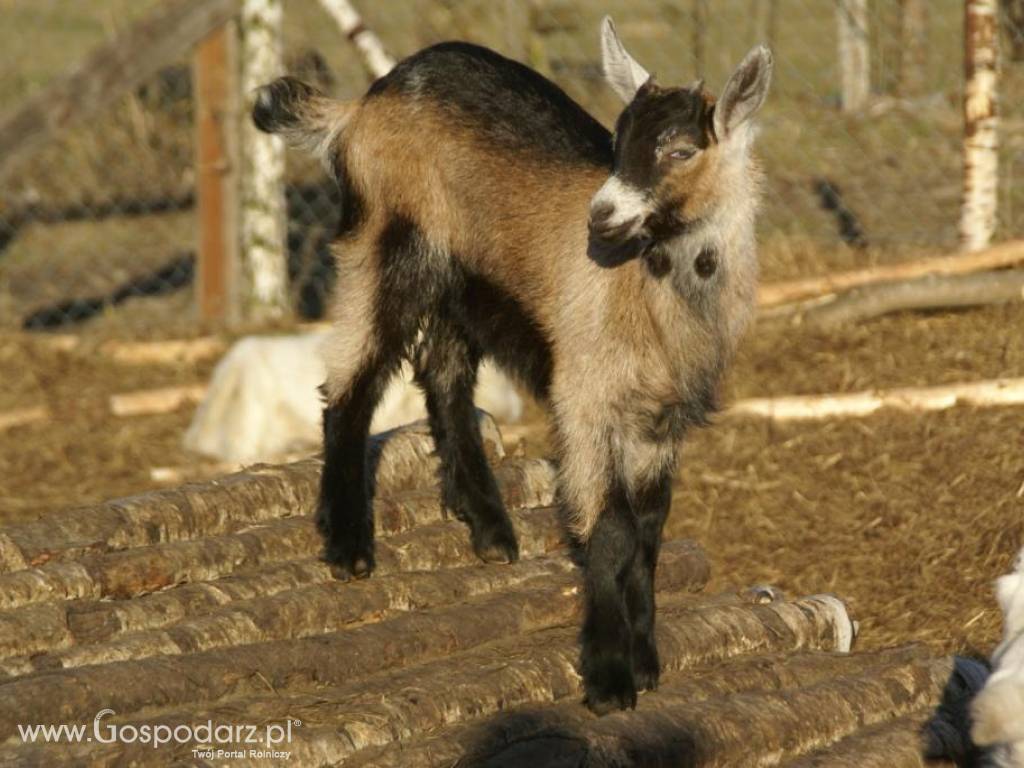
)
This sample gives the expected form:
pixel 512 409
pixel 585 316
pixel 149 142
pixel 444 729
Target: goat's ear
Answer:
pixel 745 92
pixel 621 71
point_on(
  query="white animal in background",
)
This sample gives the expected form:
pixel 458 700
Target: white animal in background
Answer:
pixel 998 711
pixel 264 400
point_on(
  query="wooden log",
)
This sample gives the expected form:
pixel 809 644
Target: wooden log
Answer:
pixel 981 123
pixel 144 569
pixel 148 402
pixel 691 719
pixel 305 665
pixel 342 722
pixel 260 494
pixel 164 352
pixel 923 293
pixel 1003 255
pixel 996 392
pixel 895 743
pixel 157 40
pixel 19 417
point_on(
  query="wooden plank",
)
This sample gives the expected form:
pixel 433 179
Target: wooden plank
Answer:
pixel 215 73
pixel 110 71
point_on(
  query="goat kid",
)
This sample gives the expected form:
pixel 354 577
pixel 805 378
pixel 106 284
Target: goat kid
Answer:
pixel 466 182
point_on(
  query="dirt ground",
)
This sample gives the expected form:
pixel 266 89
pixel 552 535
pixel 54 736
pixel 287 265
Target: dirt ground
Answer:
pixel 910 517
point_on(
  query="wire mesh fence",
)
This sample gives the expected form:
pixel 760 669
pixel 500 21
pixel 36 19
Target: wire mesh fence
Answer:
pixel 99 225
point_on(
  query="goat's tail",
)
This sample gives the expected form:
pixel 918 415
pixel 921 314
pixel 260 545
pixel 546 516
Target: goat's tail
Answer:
pixel 301 114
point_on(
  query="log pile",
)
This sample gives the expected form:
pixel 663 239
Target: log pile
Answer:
pixel 208 603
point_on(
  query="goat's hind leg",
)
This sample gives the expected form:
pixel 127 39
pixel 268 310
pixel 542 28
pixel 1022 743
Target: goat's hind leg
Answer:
pixel 361 357
pixel 446 367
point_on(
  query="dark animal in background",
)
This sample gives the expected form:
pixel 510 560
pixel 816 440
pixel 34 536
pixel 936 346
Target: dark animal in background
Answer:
pixel 486 213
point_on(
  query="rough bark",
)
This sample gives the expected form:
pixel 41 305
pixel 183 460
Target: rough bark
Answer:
pixel 402 459
pixel 981 123
pixel 693 722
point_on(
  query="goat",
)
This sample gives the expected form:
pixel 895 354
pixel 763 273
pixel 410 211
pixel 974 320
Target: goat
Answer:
pixel 486 213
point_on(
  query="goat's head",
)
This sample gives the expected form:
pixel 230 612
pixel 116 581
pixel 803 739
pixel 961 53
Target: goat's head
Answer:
pixel 673 147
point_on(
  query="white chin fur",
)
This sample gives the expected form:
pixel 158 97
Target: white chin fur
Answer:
pixel 628 203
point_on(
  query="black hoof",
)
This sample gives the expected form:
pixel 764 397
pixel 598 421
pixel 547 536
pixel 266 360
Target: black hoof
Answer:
pixel 609 685
pixel 496 542
pixel 646 667
pixel 350 556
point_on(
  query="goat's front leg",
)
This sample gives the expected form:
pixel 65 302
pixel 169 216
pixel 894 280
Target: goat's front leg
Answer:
pixel 606 659
pixel 652 501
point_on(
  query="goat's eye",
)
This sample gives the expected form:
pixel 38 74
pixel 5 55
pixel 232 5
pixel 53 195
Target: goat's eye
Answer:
pixel 682 154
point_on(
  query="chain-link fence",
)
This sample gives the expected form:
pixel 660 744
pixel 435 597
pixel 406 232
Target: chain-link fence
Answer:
pixel 100 223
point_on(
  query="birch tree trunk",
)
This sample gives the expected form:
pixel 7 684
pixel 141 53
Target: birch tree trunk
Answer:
pixel 981 159
pixel 854 53
pixel 377 59
pixel 913 46
pixel 264 289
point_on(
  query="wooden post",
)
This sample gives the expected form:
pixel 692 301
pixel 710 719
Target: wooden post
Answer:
pixel 981 145
pixel 854 53
pixel 913 47
pixel 263 224
pixel 216 93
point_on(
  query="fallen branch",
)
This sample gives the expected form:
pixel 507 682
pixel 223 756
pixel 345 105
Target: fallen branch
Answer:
pixel 1002 255
pixel 802 407
pixel 19 417
pixel 154 401
pixel 930 292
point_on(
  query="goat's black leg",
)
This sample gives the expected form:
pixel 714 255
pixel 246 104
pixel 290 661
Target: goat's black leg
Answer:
pixel 606 658
pixel 345 514
pixel 446 367
pixel 651 504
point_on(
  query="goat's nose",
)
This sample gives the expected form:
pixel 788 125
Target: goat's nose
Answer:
pixel 599 214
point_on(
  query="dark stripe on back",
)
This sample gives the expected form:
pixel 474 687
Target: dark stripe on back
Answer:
pixel 509 104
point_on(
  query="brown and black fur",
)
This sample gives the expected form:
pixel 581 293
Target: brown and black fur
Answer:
pixel 467 180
